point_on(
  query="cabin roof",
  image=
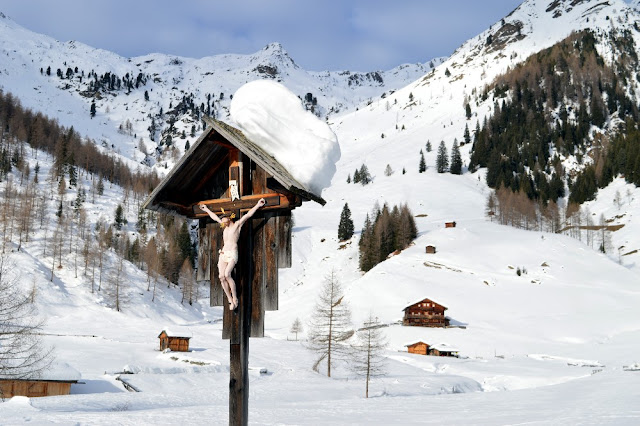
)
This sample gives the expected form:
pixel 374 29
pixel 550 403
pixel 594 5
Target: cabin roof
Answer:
pixel 56 372
pixel 423 300
pixel 172 194
pixel 416 343
pixel 444 347
pixel 170 334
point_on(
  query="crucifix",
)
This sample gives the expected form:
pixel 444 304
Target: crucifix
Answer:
pixel 226 172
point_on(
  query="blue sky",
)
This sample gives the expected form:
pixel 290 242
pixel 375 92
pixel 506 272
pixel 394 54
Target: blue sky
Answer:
pixel 359 35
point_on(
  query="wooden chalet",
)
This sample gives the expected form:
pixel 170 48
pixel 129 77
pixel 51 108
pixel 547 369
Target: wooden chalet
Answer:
pixel 450 224
pixel 420 348
pixel 425 313
pixel 176 343
pixel 430 249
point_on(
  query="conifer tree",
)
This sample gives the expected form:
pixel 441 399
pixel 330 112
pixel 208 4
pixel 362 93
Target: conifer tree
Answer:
pixel 423 164
pixel 364 175
pixel 442 161
pixel 100 186
pixel 119 217
pixel 456 160
pixel 356 176
pixel 428 147
pixel 467 135
pixel 345 228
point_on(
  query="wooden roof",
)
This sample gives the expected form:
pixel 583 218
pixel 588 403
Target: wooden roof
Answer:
pixel 173 335
pixel 176 193
pixel 420 342
pixel 422 301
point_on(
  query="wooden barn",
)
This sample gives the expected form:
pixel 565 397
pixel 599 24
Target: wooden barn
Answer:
pixel 430 249
pixel 53 382
pixel 169 340
pixel 442 349
pixel 419 348
pixel 425 313
pixel 450 224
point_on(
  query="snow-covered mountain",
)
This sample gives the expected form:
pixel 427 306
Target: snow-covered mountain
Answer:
pixel 124 116
pixel 549 344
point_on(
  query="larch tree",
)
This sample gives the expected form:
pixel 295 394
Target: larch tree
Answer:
pixel 330 324
pixel 22 353
pixel 186 281
pixel 368 360
pixel 117 289
pixel 296 327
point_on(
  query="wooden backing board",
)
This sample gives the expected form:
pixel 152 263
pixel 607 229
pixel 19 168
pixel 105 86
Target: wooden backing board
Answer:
pixel 283 236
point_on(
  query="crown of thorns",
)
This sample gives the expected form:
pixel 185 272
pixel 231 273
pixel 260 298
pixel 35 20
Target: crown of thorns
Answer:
pixel 225 214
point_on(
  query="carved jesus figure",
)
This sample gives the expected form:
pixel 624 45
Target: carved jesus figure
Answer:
pixel 228 255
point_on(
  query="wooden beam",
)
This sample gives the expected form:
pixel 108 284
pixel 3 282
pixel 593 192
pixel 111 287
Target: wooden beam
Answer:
pixel 183 210
pixel 244 204
pixel 240 324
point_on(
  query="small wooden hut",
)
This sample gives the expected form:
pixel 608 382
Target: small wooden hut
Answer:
pixel 169 340
pixel 425 313
pixel 431 249
pixel 57 380
pixel 419 348
pixel 442 349
pixel 34 388
pixel 450 224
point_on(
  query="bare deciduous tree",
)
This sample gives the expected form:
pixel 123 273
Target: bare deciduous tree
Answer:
pixel 22 353
pixel 368 360
pixel 330 324
pixel 296 327
pixel 187 281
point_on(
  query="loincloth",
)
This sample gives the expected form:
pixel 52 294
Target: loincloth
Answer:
pixel 228 256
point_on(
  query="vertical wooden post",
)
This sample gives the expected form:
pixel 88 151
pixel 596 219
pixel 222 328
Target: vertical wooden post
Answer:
pixel 240 325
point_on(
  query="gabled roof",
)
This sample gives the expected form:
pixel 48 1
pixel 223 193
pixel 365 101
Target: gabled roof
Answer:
pixel 172 195
pixel 170 334
pixel 424 300
pixel 417 343
pixel 444 347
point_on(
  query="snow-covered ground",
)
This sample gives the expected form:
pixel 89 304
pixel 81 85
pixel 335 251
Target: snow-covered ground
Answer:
pixel 549 346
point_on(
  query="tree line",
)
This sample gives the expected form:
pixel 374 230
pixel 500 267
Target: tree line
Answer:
pixel 389 230
pixel 550 104
pixel 162 245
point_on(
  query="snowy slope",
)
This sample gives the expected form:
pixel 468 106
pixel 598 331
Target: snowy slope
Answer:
pixel 548 346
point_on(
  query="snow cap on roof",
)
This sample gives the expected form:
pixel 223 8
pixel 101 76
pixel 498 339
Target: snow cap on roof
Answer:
pixel 273 117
